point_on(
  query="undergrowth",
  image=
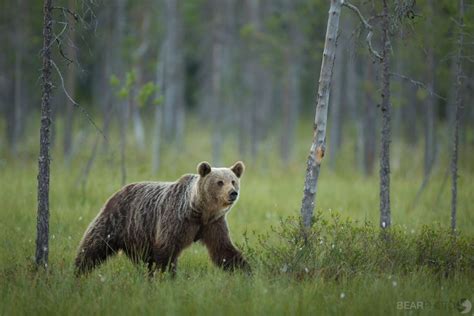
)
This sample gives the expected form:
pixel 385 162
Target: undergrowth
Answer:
pixel 337 248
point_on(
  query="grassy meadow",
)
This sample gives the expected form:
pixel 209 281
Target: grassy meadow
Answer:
pixel 270 192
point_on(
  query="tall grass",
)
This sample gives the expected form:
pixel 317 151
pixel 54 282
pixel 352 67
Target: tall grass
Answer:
pixel 354 277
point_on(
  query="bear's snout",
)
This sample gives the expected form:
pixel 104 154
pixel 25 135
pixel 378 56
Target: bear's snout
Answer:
pixel 233 195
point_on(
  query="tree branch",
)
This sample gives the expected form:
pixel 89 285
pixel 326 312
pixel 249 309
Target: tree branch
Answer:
pixel 67 10
pixel 419 84
pixel 367 26
pixel 81 108
pixel 61 52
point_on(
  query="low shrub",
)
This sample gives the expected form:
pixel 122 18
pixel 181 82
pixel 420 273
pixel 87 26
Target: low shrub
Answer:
pixel 337 248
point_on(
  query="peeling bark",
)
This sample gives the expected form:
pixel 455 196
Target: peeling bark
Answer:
pixel 318 145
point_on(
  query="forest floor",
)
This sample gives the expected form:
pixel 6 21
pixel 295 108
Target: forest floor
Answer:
pixel 270 192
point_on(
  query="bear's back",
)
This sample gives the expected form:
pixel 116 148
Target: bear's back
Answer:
pixel 143 205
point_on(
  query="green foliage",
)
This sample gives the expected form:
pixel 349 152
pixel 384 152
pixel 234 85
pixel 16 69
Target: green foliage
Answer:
pixel 356 277
pixel 114 81
pixel 247 31
pixel 130 79
pixel 145 92
pixel 421 94
pixel 336 248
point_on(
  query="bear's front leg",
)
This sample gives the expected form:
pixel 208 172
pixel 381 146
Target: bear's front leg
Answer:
pixel 164 258
pixel 221 249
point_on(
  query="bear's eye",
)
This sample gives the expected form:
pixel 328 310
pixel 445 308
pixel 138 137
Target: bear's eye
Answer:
pixel 233 182
pixel 220 183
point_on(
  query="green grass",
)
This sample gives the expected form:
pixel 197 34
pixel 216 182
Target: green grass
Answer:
pixel 270 191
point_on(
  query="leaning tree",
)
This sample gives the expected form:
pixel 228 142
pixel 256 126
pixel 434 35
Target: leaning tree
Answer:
pixel 318 144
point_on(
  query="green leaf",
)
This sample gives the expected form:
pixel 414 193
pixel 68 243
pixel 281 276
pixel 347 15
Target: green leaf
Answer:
pixel 421 94
pixel 247 30
pixel 123 93
pixel 145 92
pixel 114 80
pixel 158 101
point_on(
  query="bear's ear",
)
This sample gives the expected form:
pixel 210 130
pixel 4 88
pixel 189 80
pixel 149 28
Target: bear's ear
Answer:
pixel 238 168
pixel 204 168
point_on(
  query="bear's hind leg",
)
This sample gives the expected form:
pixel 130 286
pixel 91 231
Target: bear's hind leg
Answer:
pixel 93 251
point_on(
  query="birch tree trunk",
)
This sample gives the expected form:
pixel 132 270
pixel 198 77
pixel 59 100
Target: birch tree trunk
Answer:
pixel 457 117
pixel 369 123
pixel 385 217
pixel 174 76
pixel 318 145
pixel 18 85
pixel 336 103
pixel 139 57
pixel 218 32
pixel 42 226
pixel 123 106
pixel 290 104
pixel 158 128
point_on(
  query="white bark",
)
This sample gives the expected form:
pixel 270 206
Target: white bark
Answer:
pixel 318 145
pixel 174 92
pixel 157 129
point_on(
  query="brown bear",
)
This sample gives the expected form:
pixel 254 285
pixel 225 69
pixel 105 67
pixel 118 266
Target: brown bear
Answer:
pixel 153 222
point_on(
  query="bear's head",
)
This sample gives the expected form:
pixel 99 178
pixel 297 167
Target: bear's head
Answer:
pixel 218 188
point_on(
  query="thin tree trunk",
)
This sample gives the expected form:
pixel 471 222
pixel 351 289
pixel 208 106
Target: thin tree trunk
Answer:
pixel 287 104
pixel 18 84
pixel 430 104
pixel 397 117
pixel 291 98
pixel 174 98
pixel 369 124
pixel 354 80
pixel 385 217
pixel 216 78
pixel 139 61
pixel 451 99
pixel 42 226
pixel 70 86
pixel 158 128
pixel 138 128
pixel 318 145
pixel 256 73
pixel 123 105
pixel 410 113
pixel 336 104
pixel 248 115
pixel 454 157
pixel 110 61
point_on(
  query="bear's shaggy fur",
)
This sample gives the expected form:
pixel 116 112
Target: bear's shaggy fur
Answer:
pixel 154 221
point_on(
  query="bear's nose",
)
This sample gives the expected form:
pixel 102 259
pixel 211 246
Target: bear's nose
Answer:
pixel 233 195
